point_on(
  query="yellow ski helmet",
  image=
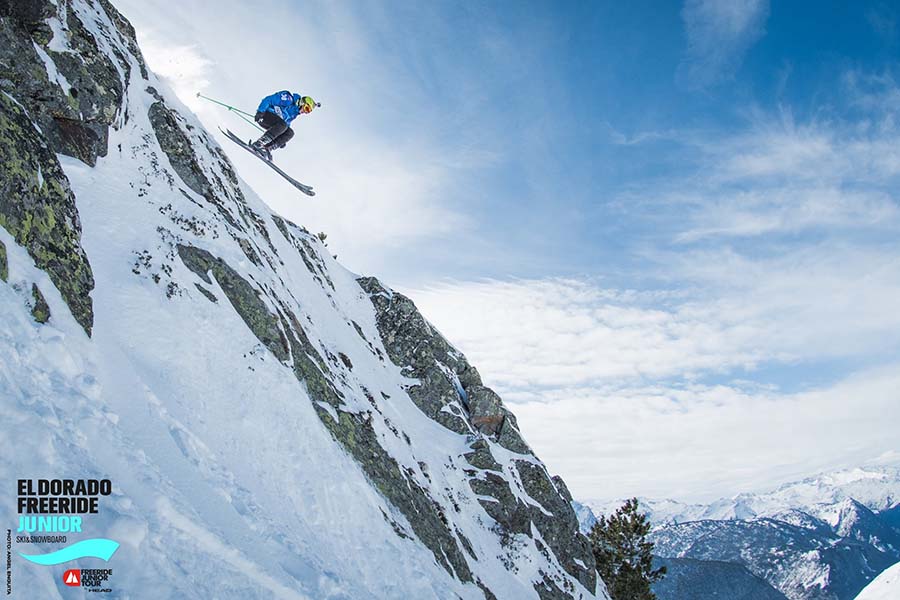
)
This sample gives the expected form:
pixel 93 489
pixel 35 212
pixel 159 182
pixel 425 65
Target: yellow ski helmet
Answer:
pixel 308 103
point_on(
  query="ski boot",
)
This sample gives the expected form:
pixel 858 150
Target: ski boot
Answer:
pixel 262 151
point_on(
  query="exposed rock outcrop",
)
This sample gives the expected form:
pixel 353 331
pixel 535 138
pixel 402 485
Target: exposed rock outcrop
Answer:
pixel 41 310
pixel 38 209
pixel 4 265
pixel 450 391
pixel 71 87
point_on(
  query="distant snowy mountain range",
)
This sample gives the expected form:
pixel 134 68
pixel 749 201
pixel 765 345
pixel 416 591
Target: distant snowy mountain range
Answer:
pixel 877 488
pixel 825 537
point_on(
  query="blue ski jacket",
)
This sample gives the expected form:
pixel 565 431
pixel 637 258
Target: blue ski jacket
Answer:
pixel 283 104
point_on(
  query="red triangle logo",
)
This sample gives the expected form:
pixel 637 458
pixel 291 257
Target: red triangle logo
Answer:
pixel 72 577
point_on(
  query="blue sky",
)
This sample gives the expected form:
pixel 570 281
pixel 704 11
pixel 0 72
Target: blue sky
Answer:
pixel 666 232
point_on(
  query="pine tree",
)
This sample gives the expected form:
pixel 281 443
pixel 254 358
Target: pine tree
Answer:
pixel 623 554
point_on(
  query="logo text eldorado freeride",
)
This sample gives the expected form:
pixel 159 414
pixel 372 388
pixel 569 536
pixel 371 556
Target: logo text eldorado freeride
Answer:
pixel 51 509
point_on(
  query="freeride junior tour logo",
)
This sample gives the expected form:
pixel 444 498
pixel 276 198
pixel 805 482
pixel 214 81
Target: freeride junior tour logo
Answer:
pixel 89 578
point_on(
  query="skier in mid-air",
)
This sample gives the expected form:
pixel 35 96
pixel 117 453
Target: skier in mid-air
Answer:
pixel 275 114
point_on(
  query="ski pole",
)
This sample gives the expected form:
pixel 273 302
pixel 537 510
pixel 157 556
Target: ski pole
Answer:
pixel 239 112
pixel 229 107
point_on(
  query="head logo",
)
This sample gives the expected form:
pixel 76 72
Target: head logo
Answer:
pixel 72 577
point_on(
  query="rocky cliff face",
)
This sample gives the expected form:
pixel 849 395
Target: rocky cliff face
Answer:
pixel 263 412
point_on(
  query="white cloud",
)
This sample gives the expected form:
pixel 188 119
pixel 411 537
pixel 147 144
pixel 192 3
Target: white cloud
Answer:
pixel 778 149
pixel 608 384
pixel 719 32
pixel 879 95
pixel 732 313
pixel 778 176
pixel 834 175
pixel 816 302
pixel 547 333
pixel 790 209
pixel 698 443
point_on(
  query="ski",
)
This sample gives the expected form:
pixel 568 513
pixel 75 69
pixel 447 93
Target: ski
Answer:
pixel 306 189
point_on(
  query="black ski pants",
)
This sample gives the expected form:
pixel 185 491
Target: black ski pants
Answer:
pixel 278 133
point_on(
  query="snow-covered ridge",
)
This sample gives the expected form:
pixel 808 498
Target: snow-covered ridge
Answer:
pixel 885 587
pixel 274 425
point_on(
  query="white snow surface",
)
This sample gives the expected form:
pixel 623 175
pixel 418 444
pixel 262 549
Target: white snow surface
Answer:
pixel 60 40
pixel 884 587
pixel 52 71
pixel 226 482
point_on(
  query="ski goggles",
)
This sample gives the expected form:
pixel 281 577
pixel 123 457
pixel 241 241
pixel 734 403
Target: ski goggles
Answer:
pixel 306 104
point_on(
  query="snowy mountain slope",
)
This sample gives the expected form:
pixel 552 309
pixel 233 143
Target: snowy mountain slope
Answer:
pixel 274 426
pixel 691 579
pixel 885 587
